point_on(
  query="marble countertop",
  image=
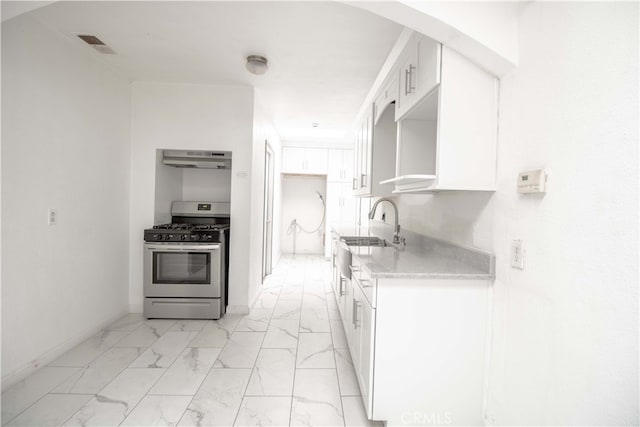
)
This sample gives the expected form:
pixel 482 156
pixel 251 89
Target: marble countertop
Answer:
pixel 425 259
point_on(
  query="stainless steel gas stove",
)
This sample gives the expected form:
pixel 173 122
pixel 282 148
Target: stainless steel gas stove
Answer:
pixel 186 263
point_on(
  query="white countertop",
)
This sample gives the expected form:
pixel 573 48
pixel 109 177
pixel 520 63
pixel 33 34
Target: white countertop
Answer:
pixel 436 260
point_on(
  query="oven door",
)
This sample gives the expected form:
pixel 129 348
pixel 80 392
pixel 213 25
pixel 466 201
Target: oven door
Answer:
pixel 182 270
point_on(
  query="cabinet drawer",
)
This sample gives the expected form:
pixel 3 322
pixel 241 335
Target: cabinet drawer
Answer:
pixel 182 308
pixel 362 280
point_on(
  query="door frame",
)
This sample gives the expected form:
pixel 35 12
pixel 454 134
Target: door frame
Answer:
pixel 267 211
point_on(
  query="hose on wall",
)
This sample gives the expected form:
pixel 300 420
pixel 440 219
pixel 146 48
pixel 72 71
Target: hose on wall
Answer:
pixel 294 226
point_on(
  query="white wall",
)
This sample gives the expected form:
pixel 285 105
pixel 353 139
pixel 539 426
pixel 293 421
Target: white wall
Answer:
pixel 65 145
pixel 566 328
pixel 195 117
pixel 462 218
pixel 206 184
pixel 300 202
pixel 168 188
pixel 483 31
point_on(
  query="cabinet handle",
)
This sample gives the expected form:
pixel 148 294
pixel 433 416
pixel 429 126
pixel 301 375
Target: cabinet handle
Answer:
pixel 356 305
pixel 362 179
pixel 341 289
pixel 406 82
pixel 354 313
pixel 362 283
pixel 411 86
pixel 355 183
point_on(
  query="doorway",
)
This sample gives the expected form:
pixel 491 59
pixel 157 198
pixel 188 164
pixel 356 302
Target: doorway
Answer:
pixel 267 229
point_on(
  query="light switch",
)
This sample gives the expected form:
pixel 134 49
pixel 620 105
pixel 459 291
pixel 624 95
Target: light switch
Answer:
pixel 52 218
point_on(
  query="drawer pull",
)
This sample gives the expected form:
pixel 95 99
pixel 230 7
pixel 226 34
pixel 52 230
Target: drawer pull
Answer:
pixel 363 281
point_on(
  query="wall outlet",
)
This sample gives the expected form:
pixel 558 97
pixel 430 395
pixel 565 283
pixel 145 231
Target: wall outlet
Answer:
pixel 52 218
pixel 517 254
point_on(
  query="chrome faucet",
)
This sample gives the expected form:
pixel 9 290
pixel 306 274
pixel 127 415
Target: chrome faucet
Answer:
pixel 396 227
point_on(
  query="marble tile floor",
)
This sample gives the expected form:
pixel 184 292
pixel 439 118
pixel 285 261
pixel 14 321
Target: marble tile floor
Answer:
pixel 285 363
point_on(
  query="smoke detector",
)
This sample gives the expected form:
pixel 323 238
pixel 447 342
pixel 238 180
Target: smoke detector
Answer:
pixel 257 64
pixel 96 43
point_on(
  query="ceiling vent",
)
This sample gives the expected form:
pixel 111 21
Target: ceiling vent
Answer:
pixel 96 43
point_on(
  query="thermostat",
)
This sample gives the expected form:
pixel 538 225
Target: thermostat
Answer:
pixel 532 182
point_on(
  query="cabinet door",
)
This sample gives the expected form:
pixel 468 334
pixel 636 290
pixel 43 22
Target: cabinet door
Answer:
pixel 429 54
pixel 408 78
pixel 367 158
pixel 335 272
pixel 347 320
pixel 347 165
pixel 293 159
pixel 315 161
pixel 365 367
pixel 347 204
pixel 341 296
pixel 334 202
pixel 335 165
pixel 387 95
pixel 357 161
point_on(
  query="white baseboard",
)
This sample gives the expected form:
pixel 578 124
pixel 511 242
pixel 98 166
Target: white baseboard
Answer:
pixel 238 309
pixel 233 309
pixel 28 368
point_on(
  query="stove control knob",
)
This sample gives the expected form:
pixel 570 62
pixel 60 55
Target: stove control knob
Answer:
pixel 194 237
pixel 157 237
pixel 184 237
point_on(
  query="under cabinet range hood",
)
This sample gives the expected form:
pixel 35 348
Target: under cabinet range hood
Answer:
pixel 197 159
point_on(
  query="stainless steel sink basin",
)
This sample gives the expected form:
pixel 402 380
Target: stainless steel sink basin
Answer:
pixel 363 241
pixel 344 255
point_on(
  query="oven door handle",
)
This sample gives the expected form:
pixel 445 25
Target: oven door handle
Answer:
pixel 183 248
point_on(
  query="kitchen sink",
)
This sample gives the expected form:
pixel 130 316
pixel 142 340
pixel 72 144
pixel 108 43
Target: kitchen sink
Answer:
pixel 363 241
pixel 344 255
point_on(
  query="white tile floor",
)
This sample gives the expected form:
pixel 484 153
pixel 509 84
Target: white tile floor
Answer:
pixel 286 363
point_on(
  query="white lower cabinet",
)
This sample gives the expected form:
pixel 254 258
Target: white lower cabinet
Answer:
pixel 363 327
pixel 418 346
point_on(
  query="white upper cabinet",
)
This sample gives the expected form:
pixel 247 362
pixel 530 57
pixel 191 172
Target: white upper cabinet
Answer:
pixel 387 96
pixel 339 168
pixel 447 139
pixel 340 209
pixel 310 161
pixel 432 126
pixel 419 71
pixel 374 156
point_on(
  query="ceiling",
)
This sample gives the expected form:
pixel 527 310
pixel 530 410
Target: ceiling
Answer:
pixel 323 56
